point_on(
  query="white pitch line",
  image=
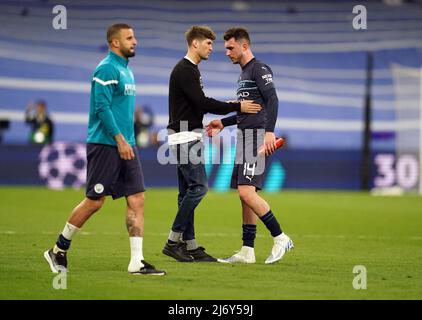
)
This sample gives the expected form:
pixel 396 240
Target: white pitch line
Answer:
pixel 231 234
pixel 7 232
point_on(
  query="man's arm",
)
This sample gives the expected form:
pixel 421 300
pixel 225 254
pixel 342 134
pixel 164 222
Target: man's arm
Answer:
pixel 105 82
pixel 29 117
pixel 125 150
pixel 271 106
pixel 229 121
pixel 215 126
pixel 264 80
pixel 193 91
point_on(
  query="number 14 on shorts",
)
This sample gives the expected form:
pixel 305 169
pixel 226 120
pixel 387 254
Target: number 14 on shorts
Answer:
pixel 249 169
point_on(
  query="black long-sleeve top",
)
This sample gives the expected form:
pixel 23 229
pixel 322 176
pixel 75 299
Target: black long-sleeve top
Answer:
pixel 187 101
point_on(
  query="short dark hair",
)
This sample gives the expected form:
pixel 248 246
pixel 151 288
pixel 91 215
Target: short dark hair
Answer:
pixel 199 32
pixel 41 102
pixel 114 29
pixel 237 33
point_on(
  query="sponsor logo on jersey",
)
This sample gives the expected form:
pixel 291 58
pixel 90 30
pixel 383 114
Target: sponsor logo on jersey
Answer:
pixel 130 89
pixel 268 78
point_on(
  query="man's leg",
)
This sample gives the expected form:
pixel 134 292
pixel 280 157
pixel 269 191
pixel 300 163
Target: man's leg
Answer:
pixel 195 177
pixel 247 252
pixel 85 210
pixel 56 257
pixel 135 228
pixel 250 197
pixel 188 235
pixel 282 242
pixel 191 176
pixel 193 185
pixel 135 214
pixel 248 215
pixel 248 226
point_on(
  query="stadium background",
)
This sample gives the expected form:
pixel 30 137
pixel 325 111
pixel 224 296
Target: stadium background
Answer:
pixel 318 58
pixel 320 66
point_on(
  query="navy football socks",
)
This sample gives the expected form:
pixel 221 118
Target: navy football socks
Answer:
pixel 249 234
pixel 271 223
pixel 63 243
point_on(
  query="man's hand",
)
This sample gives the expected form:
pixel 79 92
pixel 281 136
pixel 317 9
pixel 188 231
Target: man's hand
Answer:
pixel 125 150
pixel 30 106
pixel 214 127
pixel 248 106
pixel 269 142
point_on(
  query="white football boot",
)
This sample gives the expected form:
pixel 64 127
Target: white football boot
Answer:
pixel 245 255
pixel 282 244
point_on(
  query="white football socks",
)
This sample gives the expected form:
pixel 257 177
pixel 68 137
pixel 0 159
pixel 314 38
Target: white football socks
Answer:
pixel 136 254
pixel 68 232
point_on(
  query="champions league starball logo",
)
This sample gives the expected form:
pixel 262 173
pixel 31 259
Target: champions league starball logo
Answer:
pixel 63 165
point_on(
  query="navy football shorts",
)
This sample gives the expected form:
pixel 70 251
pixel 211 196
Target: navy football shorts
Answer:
pixel 249 169
pixel 108 174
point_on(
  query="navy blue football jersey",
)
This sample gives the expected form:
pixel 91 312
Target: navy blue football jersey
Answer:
pixel 253 84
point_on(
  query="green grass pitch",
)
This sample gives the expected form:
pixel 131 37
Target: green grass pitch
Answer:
pixel 332 233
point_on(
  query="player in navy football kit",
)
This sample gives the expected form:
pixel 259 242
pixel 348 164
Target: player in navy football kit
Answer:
pixel 255 83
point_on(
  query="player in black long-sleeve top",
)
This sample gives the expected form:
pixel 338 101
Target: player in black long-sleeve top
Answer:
pixel 187 106
pixel 255 82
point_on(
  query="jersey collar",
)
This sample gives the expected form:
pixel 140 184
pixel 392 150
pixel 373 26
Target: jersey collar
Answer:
pixel 187 58
pixel 253 59
pixel 118 58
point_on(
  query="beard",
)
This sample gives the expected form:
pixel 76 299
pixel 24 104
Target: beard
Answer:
pixel 127 53
pixel 236 60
